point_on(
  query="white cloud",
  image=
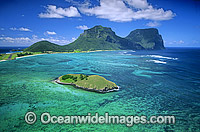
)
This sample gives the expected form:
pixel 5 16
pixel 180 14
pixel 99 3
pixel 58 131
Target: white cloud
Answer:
pixel 15 40
pixel 50 33
pixel 153 24
pixel 54 12
pixel 57 41
pixel 73 39
pixel 177 42
pixel 80 3
pixel 13 29
pixel 82 27
pixel 181 42
pixel 72 2
pixel 141 4
pixel 24 29
pixel 2 29
pixel 114 10
pixel 34 36
pixel 30 40
pixel 20 29
pixel 154 14
pixel 118 11
pixel 60 41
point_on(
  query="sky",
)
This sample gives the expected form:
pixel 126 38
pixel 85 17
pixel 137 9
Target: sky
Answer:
pixel 24 22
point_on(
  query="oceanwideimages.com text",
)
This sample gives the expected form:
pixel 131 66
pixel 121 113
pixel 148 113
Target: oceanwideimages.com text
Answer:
pixel 130 120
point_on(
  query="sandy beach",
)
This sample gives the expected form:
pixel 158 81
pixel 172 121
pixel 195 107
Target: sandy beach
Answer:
pixel 28 56
pixel 22 57
pixel 2 60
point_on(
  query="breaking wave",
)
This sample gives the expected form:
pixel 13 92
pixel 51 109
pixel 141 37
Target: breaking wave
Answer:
pixel 157 61
pixel 160 57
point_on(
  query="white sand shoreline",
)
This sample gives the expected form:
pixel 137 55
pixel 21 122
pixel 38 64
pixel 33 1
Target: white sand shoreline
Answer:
pixel 58 53
pixel 23 57
pixel 28 56
pixel 2 60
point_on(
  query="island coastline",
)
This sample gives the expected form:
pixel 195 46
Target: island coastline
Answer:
pixel 53 53
pixel 104 90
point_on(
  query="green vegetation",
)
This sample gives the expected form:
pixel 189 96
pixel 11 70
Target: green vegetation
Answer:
pixel 69 78
pixel 14 55
pixel 103 38
pixel 24 54
pixel 96 38
pixel 43 46
pixel 4 56
pixel 147 38
pixel 77 51
pixel 85 81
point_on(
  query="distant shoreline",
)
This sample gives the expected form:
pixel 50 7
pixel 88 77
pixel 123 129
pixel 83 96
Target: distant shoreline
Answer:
pixel 29 56
pixel 52 53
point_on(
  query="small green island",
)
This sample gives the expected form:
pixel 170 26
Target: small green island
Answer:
pixel 94 83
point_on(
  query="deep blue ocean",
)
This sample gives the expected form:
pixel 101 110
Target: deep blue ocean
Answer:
pixel 4 50
pixel 162 82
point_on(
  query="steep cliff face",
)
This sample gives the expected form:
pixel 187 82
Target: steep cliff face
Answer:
pixel 147 38
pixel 96 38
pixel 103 38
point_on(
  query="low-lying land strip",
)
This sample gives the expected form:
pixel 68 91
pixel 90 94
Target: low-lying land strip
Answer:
pixel 13 56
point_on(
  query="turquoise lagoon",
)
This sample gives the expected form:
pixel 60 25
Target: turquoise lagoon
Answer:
pixel 163 82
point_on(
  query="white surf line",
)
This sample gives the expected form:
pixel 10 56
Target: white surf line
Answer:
pixel 28 56
pixel 157 61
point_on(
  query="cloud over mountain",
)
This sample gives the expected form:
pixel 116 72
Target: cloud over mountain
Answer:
pixel 50 33
pixel 127 10
pixel 153 24
pixel 82 27
pixel 53 12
